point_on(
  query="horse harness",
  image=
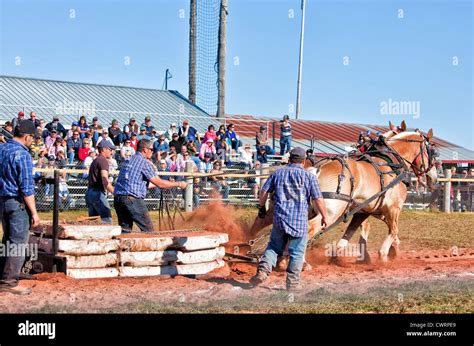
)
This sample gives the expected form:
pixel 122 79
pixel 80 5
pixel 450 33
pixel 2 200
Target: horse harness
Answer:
pixel 397 164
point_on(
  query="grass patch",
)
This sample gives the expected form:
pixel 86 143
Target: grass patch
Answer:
pixel 439 296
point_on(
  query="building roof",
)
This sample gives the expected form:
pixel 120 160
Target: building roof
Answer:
pixel 70 100
pixel 333 137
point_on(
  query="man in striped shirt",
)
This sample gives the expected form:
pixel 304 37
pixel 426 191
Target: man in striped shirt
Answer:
pixel 136 176
pixel 293 189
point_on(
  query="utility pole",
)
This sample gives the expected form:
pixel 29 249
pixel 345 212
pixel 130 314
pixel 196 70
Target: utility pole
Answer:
pixel 300 67
pixel 167 76
pixel 192 51
pixel 221 57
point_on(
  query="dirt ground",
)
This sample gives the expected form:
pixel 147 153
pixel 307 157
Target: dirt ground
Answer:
pixel 434 272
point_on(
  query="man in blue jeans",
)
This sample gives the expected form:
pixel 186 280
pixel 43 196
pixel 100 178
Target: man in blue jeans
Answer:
pixel 136 176
pixel 293 189
pixel 17 205
pixel 99 184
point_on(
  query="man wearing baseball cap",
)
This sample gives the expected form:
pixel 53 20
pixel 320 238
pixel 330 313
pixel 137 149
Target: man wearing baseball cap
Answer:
pixel 293 189
pixel 96 194
pixel 136 176
pixel 17 204
pixel 16 121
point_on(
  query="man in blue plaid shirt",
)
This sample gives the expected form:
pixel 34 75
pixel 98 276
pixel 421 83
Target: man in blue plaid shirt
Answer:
pixel 136 176
pixel 293 189
pixel 17 205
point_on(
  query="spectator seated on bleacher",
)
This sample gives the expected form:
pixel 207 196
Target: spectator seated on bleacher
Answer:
pixel 210 134
pixel 115 133
pixel 57 147
pixel 193 150
pixel 70 132
pixel 96 129
pixel 49 141
pixel 188 133
pixel 83 127
pixel 143 134
pixel 262 139
pixel 176 142
pixel 41 130
pixel 49 176
pixel 56 125
pixel 132 126
pixel 104 137
pixel 15 121
pixel 169 133
pixel 148 127
pixel 160 147
pixel 262 154
pixel 208 147
pixel 246 156
pixel 8 128
pixel 232 137
pixel 206 165
pixel 172 161
pixel 127 151
pixel 219 182
pixel 182 161
pixel 37 148
pixel 73 145
pixel 134 141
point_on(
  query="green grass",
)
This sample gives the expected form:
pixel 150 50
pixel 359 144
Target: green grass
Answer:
pixel 439 296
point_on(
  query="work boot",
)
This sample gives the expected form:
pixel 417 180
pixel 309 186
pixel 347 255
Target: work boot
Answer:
pixel 294 287
pixel 16 290
pixel 258 278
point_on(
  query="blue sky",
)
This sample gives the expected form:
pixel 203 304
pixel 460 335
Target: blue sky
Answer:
pixel 407 59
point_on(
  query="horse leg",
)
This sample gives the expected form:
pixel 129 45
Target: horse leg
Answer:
pixel 356 221
pixel 364 235
pixel 392 222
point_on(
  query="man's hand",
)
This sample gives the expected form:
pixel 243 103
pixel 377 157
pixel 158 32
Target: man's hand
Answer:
pixel 182 184
pixel 262 212
pixel 35 220
pixel 324 223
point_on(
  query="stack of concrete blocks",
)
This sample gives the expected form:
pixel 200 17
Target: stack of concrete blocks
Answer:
pixel 101 251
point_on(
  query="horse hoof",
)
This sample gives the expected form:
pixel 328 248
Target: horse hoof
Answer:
pixel 392 252
pixel 337 260
pixel 307 267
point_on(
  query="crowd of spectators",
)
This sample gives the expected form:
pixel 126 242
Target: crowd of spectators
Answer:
pixel 75 146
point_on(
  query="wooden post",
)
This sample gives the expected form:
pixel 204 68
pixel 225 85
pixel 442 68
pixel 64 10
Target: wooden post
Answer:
pixel 188 193
pixel 447 192
pixel 221 59
pixel 264 170
pixel 192 51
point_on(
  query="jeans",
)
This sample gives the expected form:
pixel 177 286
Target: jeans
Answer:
pixel 222 189
pixel 97 205
pixel 285 145
pixel 70 156
pixel 296 251
pixel 130 209
pixel 16 224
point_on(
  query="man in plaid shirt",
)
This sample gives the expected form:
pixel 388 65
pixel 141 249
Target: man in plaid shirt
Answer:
pixel 136 176
pixel 293 189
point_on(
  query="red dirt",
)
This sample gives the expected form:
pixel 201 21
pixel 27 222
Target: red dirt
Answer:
pixel 93 294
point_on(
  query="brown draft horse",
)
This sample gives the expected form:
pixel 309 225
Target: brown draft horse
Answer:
pixel 412 148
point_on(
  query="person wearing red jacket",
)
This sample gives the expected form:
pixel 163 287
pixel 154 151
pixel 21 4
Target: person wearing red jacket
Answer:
pixel 84 151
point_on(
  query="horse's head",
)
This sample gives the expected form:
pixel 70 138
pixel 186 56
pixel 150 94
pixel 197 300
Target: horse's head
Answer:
pixel 415 148
pixel 395 130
